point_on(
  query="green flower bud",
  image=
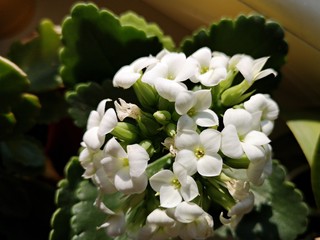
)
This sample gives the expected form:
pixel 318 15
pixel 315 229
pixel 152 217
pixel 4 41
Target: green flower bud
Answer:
pixel 236 94
pixel 126 132
pixel 146 94
pixel 147 145
pixel 163 117
pixel 148 124
pixel 241 163
pixel 171 129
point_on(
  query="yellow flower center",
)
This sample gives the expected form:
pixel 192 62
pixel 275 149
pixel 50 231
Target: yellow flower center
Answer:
pixel 192 112
pixel 204 70
pixel 176 184
pixel 125 162
pixel 199 152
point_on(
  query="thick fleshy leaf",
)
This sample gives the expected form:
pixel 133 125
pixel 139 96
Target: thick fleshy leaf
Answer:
pixel 251 35
pixel 83 99
pixel 74 199
pixel 306 128
pixel 280 212
pixel 151 29
pixel 38 57
pixel 22 155
pixel 13 82
pixel 95 43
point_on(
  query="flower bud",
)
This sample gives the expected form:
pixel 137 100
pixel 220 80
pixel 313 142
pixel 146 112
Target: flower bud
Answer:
pixel 146 94
pixel 171 129
pixel 126 132
pixel 148 124
pixel 147 145
pixel 236 94
pixel 163 117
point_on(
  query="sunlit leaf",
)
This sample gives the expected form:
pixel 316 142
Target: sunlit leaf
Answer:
pixel 305 126
pixel 280 212
pixel 251 35
pixel 38 57
pixel 96 45
pixel 151 29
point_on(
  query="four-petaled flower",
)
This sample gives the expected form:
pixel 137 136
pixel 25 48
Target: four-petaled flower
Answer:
pixel 199 152
pixel 173 186
pixel 126 169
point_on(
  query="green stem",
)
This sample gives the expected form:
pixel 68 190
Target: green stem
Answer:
pixel 158 164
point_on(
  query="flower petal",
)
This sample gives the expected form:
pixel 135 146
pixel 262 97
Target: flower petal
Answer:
pixel 211 140
pixel 210 166
pixel 256 138
pixel 114 149
pixel 162 178
pixel 169 197
pixel 188 160
pixel 206 118
pixel 169 89
pixel 240 118
pixel 203 99
pixel 92 139
pixel 125 77
pixel 230 142
pixel 138 159
pixel 187 212
pixel 184 102
pixel 189 190
pixel 254 153
pixel 108 122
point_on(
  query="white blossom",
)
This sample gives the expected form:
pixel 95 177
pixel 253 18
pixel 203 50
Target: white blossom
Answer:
pixel 174 186
pixel 128 75
pixel 269 110
pixel 240 137
pixel 168 74
pixel 239 189
pixel 211 70
pixel 251 68
pixel 198 152
pixel 100 122
pixel 125 110
pixel 126 169
pixel 196 223
pixel 196 105
pixel 159 226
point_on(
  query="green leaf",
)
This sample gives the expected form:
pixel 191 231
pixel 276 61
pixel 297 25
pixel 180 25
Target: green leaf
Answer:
pixel 26 112
pixel 22 155
pixel 13 82
pixel 96 45
pixel 250 35
pixel 280 212
pixel 76 216
pixel 305 126
pixel 38 57
pixel 151 29
pixel 7 123
pixel 82 100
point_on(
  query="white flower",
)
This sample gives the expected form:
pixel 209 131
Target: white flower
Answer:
pixel 210 70
pixel 126 110
pixel 115 225
pixel 259 170
pixel 198 153
pixel 168 74
pixel 251 69
pixel 269 110
pixel 100 122
pixel 196 105
pixel 126 170
pixel 159 226
pixel 128 75
pixel 196 223
pixel 240 137
pixel 245 201
pixel 173 186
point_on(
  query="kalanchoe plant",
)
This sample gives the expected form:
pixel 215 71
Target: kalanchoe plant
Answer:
pixel 176 141
pixel 180 152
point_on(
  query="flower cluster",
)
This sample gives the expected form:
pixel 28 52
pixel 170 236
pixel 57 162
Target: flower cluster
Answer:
pixel 197 137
